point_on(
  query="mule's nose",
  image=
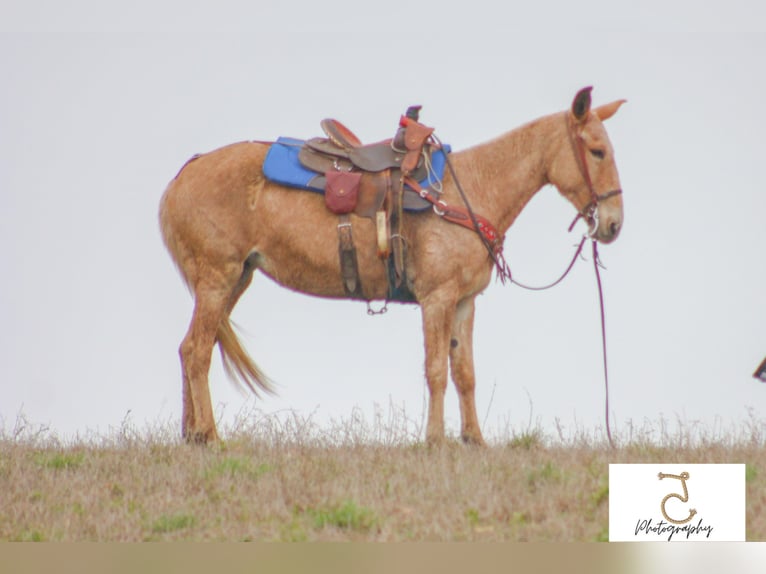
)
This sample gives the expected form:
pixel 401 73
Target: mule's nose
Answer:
pixel 613 227
pixel 609 229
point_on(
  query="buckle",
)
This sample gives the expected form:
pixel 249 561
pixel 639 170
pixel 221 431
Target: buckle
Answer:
pixel 436 209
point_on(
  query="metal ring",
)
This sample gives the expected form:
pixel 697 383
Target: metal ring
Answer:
pixel 381 311
pixel 593 215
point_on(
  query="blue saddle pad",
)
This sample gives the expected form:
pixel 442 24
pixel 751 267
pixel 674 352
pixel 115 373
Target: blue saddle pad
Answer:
pixel 282 165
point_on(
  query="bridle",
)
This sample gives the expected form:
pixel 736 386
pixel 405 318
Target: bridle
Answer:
pixel 589 212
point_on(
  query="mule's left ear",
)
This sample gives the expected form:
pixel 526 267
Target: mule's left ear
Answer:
pixel 581 104
pixel 608 110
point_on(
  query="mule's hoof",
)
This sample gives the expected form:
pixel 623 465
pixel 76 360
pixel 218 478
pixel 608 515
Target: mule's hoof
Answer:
pixel 435 441
pixel 473 440
pixel 200 437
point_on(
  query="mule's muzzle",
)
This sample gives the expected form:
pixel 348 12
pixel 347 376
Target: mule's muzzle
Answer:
pixel 606 228
pixel 604 218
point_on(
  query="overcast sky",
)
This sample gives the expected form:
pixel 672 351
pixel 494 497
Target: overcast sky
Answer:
pixel 100 107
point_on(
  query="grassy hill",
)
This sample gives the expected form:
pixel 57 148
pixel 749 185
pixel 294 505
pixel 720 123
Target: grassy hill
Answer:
pixel 285 479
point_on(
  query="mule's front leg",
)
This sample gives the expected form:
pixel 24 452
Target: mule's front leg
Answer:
pixel 461 365
pixel 438 313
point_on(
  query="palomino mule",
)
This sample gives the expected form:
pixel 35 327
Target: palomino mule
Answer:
pixel 222 219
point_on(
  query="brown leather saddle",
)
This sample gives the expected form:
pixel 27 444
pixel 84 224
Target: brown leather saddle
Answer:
pixel 368 180
pixel 371 167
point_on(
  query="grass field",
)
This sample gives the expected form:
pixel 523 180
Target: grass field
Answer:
pixel 283 478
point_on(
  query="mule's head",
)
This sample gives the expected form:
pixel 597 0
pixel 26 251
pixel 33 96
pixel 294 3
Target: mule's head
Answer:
pixel 584 170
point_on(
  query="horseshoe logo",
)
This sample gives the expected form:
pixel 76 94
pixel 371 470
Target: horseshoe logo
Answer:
pixel 683 477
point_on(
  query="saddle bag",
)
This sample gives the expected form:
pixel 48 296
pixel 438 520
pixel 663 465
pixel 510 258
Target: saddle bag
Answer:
pixel 342 191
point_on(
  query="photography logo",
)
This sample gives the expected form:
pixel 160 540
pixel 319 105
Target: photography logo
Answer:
pixel 683 477
pixel 676 503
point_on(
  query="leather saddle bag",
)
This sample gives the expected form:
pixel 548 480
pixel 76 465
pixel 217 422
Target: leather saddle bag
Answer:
pixel 342 191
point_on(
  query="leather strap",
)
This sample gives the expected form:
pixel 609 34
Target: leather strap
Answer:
pixel 578 145
pixel 460 216
pixel 397 241
pixel 349 268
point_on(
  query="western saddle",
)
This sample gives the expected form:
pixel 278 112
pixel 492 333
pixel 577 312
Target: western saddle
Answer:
pixel 372 181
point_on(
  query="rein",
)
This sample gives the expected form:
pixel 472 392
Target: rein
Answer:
pixel 596 267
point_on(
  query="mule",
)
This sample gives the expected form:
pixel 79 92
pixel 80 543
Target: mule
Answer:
pixel 222 220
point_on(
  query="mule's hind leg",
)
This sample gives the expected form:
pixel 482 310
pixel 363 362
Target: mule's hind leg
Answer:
pixel 212 302
pixel 461 363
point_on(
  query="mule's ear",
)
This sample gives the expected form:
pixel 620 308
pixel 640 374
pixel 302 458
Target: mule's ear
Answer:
pixel 608 110
pixel 581 104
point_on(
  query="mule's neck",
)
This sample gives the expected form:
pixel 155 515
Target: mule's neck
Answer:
pixel 502 175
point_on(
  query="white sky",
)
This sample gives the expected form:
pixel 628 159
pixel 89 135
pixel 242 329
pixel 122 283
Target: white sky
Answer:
pixel 100 107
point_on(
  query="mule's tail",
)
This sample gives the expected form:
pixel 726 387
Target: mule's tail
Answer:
pixel 238 364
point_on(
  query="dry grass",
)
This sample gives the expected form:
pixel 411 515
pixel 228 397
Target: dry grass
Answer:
pixel 282 478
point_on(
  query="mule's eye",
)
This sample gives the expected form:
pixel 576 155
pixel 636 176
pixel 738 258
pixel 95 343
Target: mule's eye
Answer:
pixel 597 153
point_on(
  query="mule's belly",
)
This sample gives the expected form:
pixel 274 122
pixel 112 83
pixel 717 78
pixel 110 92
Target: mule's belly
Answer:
pixel 298 247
